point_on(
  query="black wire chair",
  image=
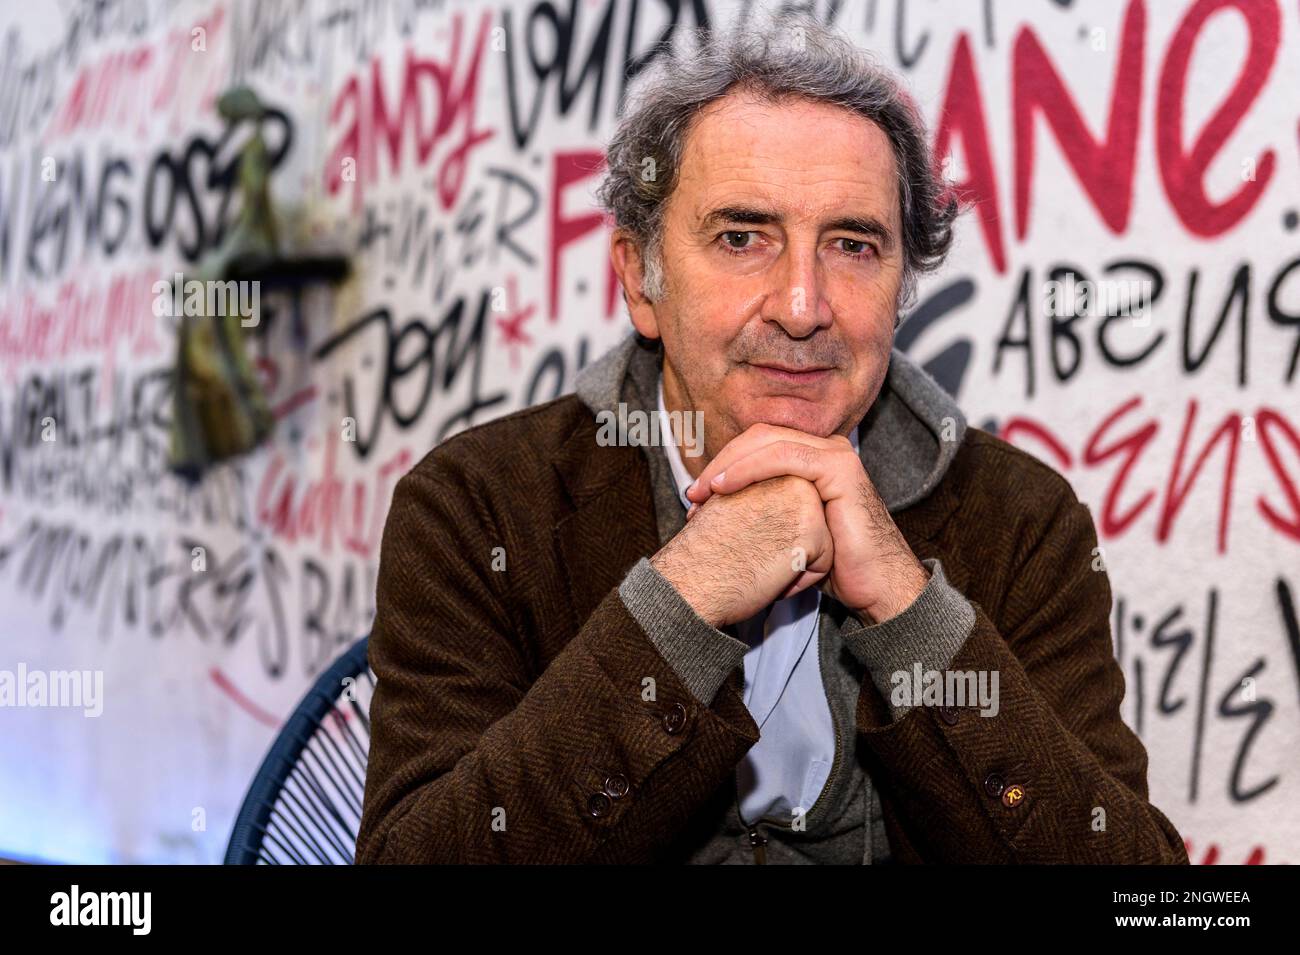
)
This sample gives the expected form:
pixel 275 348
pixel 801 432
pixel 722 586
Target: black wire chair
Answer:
pixel 304 806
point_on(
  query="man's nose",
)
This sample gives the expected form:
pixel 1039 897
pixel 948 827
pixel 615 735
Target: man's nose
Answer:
pixel 796 302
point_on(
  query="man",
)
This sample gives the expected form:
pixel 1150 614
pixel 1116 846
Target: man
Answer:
pixel 837 624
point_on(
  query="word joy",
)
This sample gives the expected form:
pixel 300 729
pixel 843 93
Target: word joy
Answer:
pixel 195 298
pixel 646 429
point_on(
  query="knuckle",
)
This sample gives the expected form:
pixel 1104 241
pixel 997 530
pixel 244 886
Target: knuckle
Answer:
pixel 804 453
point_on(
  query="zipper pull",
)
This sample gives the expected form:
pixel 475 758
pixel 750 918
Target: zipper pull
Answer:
pixel 758 842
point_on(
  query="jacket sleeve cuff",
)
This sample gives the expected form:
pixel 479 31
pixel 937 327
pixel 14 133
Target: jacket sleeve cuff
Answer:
pixel 929 632
pixel 699 654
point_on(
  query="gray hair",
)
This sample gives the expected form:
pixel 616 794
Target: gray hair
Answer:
pixel 793 56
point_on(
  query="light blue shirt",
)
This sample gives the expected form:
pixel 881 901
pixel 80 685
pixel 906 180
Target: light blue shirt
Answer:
pixel 784 772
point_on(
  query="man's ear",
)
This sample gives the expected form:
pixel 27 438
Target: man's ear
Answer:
pixel 625 255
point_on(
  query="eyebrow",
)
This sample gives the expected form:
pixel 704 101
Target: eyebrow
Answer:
pixel 747 215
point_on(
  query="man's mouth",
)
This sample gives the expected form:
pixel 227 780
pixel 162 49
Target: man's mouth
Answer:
pixel 792 374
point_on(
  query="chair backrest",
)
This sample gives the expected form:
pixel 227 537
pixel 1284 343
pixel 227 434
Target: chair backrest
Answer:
pixel 304 806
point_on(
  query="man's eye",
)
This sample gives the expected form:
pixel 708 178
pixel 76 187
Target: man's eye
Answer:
pixel 856 248
pixel 732 246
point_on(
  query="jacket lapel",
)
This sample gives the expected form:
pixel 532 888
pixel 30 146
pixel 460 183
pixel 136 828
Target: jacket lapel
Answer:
pixel 612 523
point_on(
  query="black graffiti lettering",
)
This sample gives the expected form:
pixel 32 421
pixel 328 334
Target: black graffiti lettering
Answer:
pixel 544 19
pixel 27 88
pixel 410 240
pixel 907 58
pixel 1148 303
pixel 8 213
pixel 1181 640
pixel 1021 313
pixel 113 239
pixel 344 607
pixel 1238 294
pixel 1089 319
pixel 547 42
pixel 1061 326
pixel 1260 711
pixel 503 237
pixel 315 601
pixel 108 455
pixel 172 181
pixel 1192 663
pixel 949 366
pixel 187 196
pixel 271 36
pixel 274 632
pixel 58 205
pixel 1278 316
pixel 413 368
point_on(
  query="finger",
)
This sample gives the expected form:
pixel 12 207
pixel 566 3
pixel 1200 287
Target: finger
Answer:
pixel 829 471
pixel 818 574
pixel 749 441
pixel 805 580
pixel 742 444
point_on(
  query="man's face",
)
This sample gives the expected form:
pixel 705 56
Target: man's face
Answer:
pixel 782 256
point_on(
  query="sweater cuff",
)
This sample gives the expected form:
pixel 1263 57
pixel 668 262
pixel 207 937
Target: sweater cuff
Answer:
pixel 929 632
pixel 700 655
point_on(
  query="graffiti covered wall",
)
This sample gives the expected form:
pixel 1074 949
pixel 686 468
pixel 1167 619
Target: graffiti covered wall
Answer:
pixel 451 149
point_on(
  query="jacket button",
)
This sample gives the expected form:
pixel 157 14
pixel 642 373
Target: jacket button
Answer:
pixel 616 786
pixel 675 719
pixel 599 805
pixel 994 784
pixel 1013 795
pixel 949 714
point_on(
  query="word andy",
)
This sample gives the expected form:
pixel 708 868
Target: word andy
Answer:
pixel 646 429
pixel 194 298
pixel 84 688
pixel 103 908
pixel 946 688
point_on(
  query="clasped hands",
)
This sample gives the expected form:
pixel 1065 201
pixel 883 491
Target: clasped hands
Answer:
pixel 778 511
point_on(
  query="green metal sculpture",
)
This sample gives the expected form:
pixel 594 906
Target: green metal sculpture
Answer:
pixel 219 408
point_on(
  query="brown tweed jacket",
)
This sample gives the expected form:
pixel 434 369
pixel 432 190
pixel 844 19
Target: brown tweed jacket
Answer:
pixel 512 679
